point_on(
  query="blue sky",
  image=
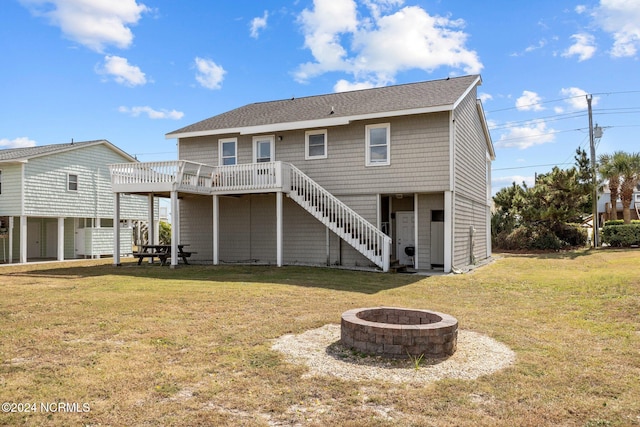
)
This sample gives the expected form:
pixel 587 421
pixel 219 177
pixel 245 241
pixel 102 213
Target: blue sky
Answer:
pixel 131 71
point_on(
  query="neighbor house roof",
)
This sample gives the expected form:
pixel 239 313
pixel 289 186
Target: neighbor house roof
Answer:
pixel 14 155
pixel 336 108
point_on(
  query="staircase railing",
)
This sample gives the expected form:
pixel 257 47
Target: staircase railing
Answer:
pixel 340 218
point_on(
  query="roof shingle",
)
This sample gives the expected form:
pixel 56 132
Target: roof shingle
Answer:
pixel 430 94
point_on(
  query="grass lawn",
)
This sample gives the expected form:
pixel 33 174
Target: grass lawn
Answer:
pixel 151 346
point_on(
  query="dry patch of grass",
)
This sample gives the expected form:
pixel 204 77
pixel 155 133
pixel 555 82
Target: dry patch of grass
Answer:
pixel 147 345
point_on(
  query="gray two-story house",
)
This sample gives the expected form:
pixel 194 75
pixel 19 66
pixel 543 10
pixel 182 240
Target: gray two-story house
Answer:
pixel 353 179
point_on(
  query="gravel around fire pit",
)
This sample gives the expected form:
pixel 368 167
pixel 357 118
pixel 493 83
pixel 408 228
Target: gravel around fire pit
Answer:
pixel 321 351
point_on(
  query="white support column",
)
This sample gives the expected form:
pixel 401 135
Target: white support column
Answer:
pixel 175 232
pixel 279 228
pixel 10 240
pixel 151 229
pixel 216 229
pixel 60 239
pixel 416 234
pixel 448 231
pixel 116 229
pixel 23 239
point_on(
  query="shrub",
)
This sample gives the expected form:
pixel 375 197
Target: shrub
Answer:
pixel 621 235
pixel 571 234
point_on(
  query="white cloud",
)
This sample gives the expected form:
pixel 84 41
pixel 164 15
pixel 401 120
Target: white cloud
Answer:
pixel 151 113
pixel 258 24
pixel 529 135
pixel 529 101
pixel 584 47
pixel 209 74
pixel 92 23
pixel 344 85
pixel 576 99
pixel 122 72
pixel 375 48
pixel 580 9
pixel 484 97
pixel 21 142
pixel 621 18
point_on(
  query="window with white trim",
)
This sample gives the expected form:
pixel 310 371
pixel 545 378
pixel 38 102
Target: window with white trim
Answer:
pixel 315 142
pixel 378 142
pixel 228 151
pixel 72 182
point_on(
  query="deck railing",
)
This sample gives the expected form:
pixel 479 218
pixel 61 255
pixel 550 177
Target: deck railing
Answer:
pixel 199 178
pixel 258 177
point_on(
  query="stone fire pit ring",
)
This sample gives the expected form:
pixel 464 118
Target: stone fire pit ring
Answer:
pixel 399 332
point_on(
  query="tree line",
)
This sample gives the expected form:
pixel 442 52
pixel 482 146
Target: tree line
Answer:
pixel 550 214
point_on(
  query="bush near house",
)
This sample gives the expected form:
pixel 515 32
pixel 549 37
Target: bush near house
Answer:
pixel 618 234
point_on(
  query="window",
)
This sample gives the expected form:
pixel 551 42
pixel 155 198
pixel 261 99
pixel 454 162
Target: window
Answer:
pixel 227 151
pixel 263 150
pixel 378 140
pixel 315 144
pixel 72 182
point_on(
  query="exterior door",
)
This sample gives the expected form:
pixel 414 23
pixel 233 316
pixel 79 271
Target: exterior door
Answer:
pixel 405 237
pixel 263 152
pixel 52 239
pixel 34 241
pixel 437 238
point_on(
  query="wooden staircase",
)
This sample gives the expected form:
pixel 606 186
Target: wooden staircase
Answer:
pixel 341 219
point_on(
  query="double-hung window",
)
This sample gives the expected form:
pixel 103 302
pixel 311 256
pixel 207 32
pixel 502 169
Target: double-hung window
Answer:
pixel 72 182
pixel 228 151
pixel 315 142
pixel 378 141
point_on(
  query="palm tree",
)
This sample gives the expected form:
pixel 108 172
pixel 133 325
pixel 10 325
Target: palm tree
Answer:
pixel 608 169
pixel 629 167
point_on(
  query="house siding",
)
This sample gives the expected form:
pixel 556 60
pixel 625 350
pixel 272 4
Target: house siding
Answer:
pixel 46 176
pixel 471 204
pixel 419 155
pixel 10 199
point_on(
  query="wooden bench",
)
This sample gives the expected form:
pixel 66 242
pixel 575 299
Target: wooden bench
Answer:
pixel 141 255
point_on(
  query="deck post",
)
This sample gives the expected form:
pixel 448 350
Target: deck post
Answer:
pixel 448 231
pixel 279 228
pixel 216 229
pixel 23 239
pixel 116 229
pixel 60 239
pixel 11 240
pixel 151 228
pixel 175 232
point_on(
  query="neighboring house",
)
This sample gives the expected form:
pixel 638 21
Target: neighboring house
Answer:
pixel 355 179
pixel 56 202
pixel 605 208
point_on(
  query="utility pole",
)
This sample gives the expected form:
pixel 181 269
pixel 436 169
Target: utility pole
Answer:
pixel 594 175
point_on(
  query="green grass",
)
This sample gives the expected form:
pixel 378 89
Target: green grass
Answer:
pixel 153 346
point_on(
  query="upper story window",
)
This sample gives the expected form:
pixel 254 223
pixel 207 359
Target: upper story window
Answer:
pixel 378 141
pixel 72 182
pixel 315 142
pixel 228 151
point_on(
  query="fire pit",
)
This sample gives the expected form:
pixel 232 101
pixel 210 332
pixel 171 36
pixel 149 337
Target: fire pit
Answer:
pixel 399 332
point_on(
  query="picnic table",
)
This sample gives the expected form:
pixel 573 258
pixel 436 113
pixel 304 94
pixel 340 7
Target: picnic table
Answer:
pixel 162 252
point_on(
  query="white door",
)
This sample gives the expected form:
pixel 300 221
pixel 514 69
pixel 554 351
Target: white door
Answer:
pixel 437 238
pixel 263 152
pixel 34 246
pixel 405 237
